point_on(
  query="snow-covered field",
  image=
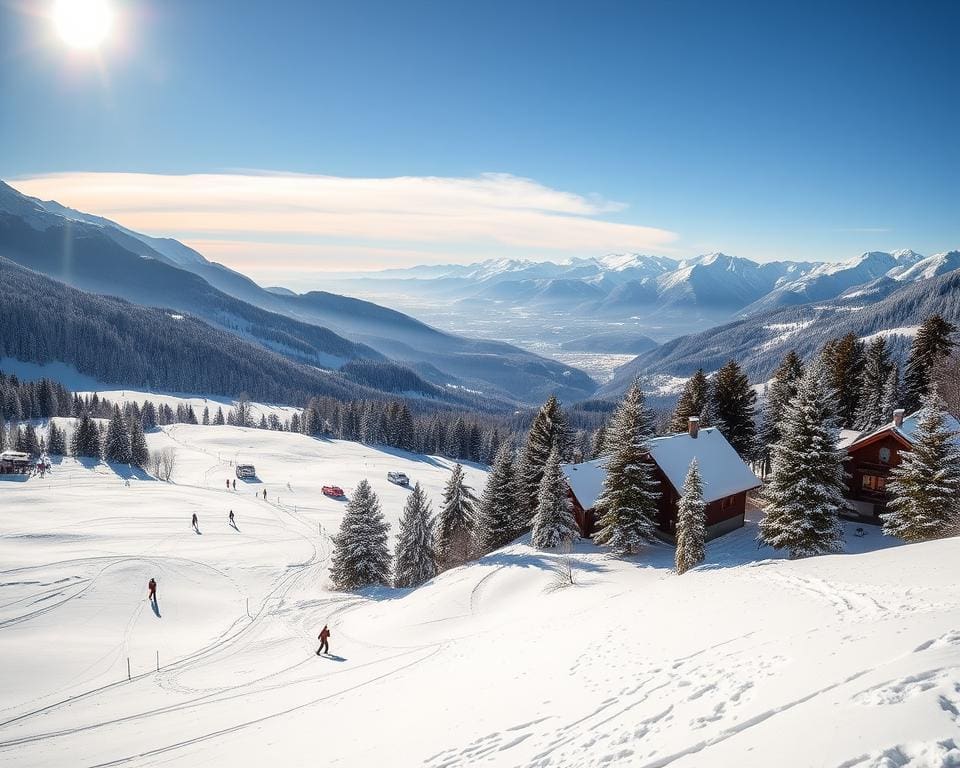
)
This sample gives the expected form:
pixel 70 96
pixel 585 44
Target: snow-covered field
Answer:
pixel 847 660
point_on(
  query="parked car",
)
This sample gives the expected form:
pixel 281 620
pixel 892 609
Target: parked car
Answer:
pixel 246 470
pixel 333 491
pixel 399 478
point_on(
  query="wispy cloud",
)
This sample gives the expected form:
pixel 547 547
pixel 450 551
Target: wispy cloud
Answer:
pixel 308 220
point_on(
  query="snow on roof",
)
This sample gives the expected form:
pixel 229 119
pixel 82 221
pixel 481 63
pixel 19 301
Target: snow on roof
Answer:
pixel 14 456
pixel 847 437
pixel 908 428
pixel 723 471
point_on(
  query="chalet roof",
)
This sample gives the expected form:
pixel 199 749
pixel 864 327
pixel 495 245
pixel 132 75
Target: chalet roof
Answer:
pixel 723 471
pixel 14 456
pixel 905 431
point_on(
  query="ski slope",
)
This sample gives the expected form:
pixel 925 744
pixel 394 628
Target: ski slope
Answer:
pixel 750 660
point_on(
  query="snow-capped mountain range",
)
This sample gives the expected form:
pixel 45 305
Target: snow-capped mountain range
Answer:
pixel 627 284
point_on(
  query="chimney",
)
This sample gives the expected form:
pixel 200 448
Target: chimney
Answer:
pixel 898 417
pixel 693 426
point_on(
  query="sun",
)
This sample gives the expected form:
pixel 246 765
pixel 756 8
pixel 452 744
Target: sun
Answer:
pixel 82 23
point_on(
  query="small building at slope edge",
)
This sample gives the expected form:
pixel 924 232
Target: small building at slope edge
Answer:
pixel 871 457
pixel 726 481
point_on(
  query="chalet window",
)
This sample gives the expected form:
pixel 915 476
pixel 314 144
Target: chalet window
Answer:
pixel 726 503
pixel 884 455
pixel 874 483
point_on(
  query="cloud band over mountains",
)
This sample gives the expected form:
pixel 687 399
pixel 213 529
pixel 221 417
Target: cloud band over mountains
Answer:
pixel 300 223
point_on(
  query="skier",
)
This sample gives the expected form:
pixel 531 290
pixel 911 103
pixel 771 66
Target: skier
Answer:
pixel 152 587
pixel 231 519
pixel 323 637
pixel 228 483
pixel 195 523
pixel 234 484
pixel 264 494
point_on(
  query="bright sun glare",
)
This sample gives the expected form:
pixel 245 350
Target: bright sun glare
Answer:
pixel 82 23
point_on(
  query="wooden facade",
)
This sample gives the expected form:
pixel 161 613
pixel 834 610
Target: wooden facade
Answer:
pixel 723 515
pixel 869 464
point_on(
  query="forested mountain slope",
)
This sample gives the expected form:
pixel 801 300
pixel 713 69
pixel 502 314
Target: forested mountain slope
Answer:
pixel 117 342
pixel 759 343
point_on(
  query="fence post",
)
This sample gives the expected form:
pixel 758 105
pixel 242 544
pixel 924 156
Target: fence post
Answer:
pixel 158 661
pixel 128 669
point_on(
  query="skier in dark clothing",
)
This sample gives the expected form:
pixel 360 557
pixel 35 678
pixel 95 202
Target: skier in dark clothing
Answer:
pixel 234 485
pixel 231 519
pixel 152 587
pixel 195 523
pixel 264 494
pixel 324 637
pixel 228 483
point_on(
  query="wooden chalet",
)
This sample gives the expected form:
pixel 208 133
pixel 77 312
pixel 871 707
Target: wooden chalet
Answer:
pixel 871 457
pixel 726 481
pixel 15 463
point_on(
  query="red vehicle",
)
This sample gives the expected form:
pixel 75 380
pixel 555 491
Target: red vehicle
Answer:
pixel 333 491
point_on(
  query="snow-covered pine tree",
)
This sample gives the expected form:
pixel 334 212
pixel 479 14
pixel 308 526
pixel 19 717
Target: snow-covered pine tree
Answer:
pixel 843 367
pixel 3 433
pixel 27 440
pixel 85 440
pixel 218 420
pixel 932 343
pixel 205 420
pixel 924 489
pixel 691 522
pixel 416 554
pixel 892 394
pixel 805 494
pixel 497 520
pixel 693 401
pixel 732 402
pixel 553 523
pixel 456 523
pixel 782 388
pixel 361 557
pixel 599 438
pixel 139 453
pixel 549 428
pixel 628 502
pixel 56 440
pixel 116 446
pixel 876 370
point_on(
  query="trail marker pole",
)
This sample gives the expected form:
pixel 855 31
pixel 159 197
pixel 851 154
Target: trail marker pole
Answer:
pixel 158 661
pixel 128 669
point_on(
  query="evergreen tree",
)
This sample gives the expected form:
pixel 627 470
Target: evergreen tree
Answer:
pixel 694 401
pixel 876 372
pixel 116 447
pixel 361 557
pixel 732 402
pixel 782 389
pixel 218 420
pixel 56 441
pixel 892 394
pixel 932 343
pixel 416 558
pixel 628 502
pixel 27 441
pixel 843 368
pixel 599 438
pixel 805 495
pixel 456 524
pixel 205 420
pixel 549 428
pixel 691 522
pixel 3 433
pixel 498 522
pixel 148 415
pixel 553 522
pixel 85 440
pixel 139 453
pixel 924 488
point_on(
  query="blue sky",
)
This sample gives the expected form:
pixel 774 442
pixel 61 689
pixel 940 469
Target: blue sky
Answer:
pixel 766 130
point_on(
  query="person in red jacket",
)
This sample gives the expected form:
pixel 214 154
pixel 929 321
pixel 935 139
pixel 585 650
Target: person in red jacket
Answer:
pixel 324 637
pixel 152 587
